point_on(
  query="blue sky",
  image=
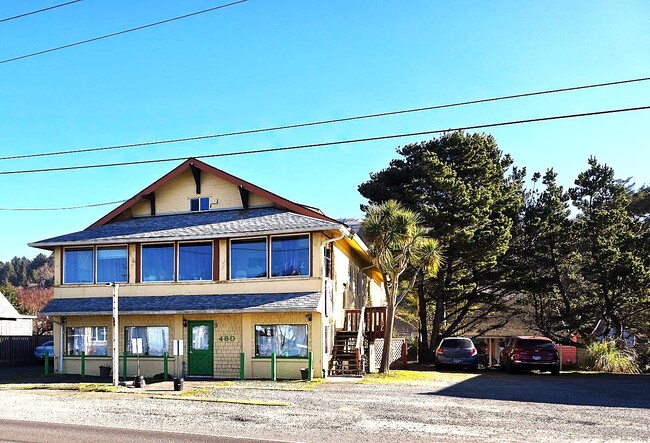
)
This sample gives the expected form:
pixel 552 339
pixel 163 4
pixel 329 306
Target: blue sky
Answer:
pixel 266 63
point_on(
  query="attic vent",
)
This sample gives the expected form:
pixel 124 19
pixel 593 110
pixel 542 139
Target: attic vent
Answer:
pixel 199 204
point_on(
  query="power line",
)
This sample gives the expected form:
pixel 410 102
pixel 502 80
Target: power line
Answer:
pixel 322 122
pixel 38 11
pixel 64 208
pixel 94 39
pixel 331 143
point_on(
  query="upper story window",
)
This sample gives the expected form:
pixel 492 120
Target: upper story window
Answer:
pixel 328 259
pixel 195 261
pixel 95 265
pixel 112 264
pixel 158 262
pixel 248 258
pixel 290 255
pixel 199 204
pixel 78 266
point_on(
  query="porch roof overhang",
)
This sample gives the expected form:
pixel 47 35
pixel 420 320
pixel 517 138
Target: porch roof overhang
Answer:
pixel 186 304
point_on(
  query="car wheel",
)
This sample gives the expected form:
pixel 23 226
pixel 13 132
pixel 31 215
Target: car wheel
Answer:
pixel 511 368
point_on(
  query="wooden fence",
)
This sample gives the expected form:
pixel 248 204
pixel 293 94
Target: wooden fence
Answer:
pixel 19 351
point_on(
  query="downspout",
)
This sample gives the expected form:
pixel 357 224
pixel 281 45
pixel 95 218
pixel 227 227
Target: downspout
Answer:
pixel 322 275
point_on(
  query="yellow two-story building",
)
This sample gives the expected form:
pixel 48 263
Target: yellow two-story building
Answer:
pixel 215 277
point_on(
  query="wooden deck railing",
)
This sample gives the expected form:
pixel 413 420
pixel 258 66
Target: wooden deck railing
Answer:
pixel 373 324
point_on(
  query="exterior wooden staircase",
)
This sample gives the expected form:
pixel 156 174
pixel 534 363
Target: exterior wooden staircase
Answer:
pixel 349 354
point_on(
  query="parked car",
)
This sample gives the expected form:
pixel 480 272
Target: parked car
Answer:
pixel 458 352
pixel 39 353
pixel 530 353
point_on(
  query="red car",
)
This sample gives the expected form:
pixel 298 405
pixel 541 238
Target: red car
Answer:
pixel 530 353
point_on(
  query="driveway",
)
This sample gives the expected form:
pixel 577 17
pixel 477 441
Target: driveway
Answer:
pixel 486 407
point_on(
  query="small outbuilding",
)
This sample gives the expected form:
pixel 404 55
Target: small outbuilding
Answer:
pixel 13 323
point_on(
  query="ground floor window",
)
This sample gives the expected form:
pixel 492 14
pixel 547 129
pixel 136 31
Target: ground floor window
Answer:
pixel 88 339
pixel 155 339
pixel 284 340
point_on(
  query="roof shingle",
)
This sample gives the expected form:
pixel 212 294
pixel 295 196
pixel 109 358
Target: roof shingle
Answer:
pixel 209 224
pixel 186 304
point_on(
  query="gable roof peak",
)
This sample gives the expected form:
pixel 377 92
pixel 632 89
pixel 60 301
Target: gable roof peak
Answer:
pixel 240 183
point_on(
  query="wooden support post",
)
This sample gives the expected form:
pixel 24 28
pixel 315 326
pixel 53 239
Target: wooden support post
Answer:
pixel 310 366
pixel 124 366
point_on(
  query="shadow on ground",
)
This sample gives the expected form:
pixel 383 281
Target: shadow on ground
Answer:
pixel 609 390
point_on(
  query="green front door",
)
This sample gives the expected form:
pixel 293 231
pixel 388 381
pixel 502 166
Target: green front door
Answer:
pixel 201 357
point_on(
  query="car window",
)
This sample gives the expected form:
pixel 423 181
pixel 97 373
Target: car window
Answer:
pixel 536 343
pixel 456 343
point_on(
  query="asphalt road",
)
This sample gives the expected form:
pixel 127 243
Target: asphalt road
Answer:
pixel 486 406
pixel 35 432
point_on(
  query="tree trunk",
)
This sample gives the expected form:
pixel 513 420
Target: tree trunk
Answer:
pixel 438 317
pixel 388 336
pixel 423 343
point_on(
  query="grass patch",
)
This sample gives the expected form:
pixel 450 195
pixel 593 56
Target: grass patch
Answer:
pixel 222 400
pixel 398 376
pixel 97 387
pixel 199 391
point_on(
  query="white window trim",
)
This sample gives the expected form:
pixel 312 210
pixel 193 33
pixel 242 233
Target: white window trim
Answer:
pixel 189 203
pixel 178 260
pixel 142 280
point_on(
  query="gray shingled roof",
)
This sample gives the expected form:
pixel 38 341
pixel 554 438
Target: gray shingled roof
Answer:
pixel 186 304
pixel 209 224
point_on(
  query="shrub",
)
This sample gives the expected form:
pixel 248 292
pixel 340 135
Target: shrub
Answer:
pixel 607 356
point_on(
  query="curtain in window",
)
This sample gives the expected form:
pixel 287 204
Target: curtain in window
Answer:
pixel 195 261
pixel 89 339
pixel 112 264
pixel 158 263
pixel 284 340
pixel 155 339
pixel 248 258
pixel 290 256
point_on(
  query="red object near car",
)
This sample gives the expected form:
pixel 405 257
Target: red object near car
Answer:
pixel 531 353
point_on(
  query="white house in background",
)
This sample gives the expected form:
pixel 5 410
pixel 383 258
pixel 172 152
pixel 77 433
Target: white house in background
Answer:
pixel 11 322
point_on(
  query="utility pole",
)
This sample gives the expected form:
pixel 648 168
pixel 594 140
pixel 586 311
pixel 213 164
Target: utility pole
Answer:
pixel 116 333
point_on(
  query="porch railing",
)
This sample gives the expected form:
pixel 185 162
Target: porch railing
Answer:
pixel 371 320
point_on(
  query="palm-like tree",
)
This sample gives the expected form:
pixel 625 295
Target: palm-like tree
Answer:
pixel 397 242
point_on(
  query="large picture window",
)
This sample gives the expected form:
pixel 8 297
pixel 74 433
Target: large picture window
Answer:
pixel 248 258
pixel 290 256
pixel 155 339
pixel 112 264
pixel 195 261
pixel 88 339
pixel 284 340
pixel 158 262
pixel 78 266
